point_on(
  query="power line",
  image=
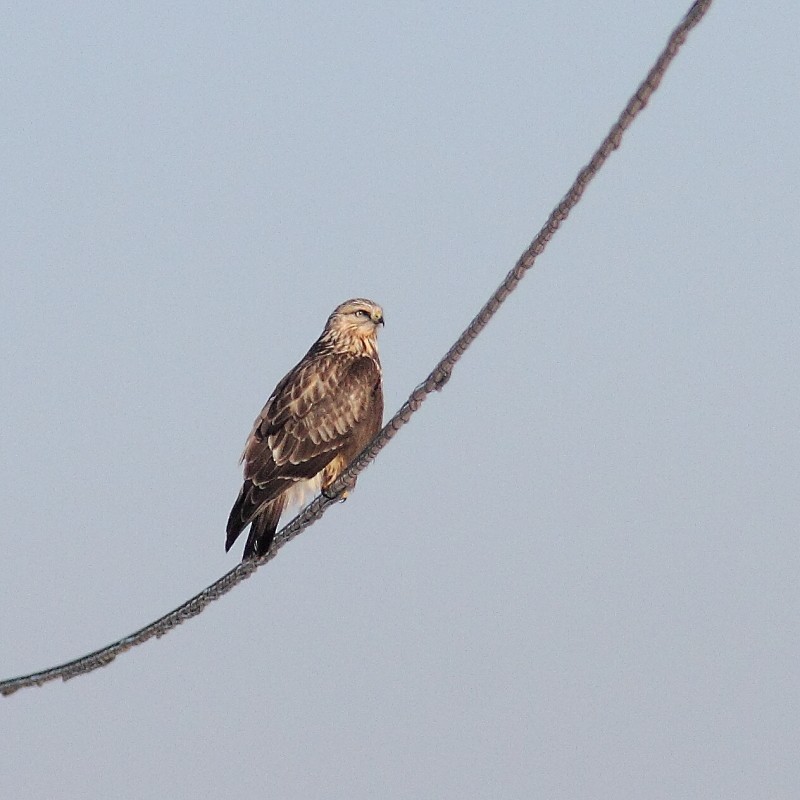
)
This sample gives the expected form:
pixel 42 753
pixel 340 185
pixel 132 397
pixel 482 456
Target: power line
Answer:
pixel 434 382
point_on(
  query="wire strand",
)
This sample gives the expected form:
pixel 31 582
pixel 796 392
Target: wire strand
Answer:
pixel 434 382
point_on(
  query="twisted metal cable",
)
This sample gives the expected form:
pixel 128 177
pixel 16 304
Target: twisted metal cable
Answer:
pixel 434 382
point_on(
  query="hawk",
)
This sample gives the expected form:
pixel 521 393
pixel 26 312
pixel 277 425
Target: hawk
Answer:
pixel 319 417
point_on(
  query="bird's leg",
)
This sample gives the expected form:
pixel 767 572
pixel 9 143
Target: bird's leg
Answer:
pixel 342 495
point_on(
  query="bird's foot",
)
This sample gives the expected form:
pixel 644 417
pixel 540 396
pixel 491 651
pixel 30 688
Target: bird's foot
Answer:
pixel 338 496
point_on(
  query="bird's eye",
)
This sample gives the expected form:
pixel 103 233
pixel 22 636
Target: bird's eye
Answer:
pixel 361 313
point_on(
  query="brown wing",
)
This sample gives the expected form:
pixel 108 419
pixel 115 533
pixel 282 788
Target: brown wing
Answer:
pixel 327 406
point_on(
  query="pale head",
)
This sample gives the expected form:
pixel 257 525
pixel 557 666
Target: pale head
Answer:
pixel 354 324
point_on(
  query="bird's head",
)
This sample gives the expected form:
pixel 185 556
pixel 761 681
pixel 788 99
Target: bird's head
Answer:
pixel 354 323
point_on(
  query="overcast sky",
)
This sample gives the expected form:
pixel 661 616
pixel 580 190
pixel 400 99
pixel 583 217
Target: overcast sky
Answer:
pixel 575 574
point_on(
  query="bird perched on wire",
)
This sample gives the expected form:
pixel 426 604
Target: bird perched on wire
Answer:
pixel 318 418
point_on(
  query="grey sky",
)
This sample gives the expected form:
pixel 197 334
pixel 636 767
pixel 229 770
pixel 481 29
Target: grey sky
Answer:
pixel 575 574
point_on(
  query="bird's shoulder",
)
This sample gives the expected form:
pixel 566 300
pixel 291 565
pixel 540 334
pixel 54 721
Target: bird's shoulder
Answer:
pixel 321 398
pixel 318 379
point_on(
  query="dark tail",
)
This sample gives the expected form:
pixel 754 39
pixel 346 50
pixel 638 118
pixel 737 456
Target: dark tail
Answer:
pixel 262 526
pixel 262 530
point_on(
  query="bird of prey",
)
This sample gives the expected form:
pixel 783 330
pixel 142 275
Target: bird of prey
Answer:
pixel 319 417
